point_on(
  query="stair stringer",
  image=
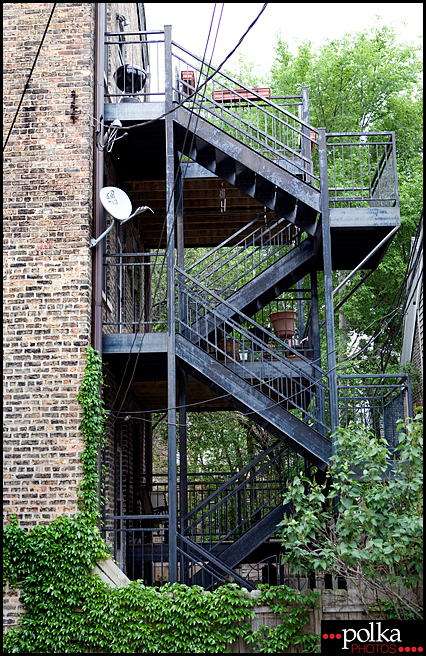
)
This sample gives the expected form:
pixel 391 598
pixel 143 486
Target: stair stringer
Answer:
pixel 267 173
pixel 244 397
pixel 235 553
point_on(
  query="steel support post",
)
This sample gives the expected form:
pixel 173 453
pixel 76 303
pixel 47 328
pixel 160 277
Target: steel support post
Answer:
pixel 306 150
pixel 171 349
pixel 328 283
pixel 316 342
pixel 300 324
pixel 179 221
pixel 180 245
pixel 183 465
pixel 411 412
pixel 183 457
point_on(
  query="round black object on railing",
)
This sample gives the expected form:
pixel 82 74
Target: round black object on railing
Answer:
pixel 130 78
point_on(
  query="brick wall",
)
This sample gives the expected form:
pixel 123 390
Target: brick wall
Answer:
pixel 47 262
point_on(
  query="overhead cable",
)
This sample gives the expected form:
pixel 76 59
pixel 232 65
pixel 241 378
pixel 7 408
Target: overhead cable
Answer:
pixel 206 81
pixel 29 76
pixel 163 227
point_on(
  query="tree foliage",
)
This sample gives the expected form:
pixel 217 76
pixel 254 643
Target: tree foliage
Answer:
pixel 362 81
pixel 216 441
pixel 375 538
pixel 367 81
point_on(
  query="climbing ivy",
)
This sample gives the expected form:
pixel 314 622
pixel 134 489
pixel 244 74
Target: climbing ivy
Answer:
pixel 93 429
pixel 69 611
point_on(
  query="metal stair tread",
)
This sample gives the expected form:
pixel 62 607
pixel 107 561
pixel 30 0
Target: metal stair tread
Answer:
pixel 247 158
pixel 301 437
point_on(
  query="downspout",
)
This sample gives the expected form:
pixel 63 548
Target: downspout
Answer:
pixel 98 212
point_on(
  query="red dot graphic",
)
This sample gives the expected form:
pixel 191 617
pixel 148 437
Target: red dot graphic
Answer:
pixel 325 636
pixel 331 636
pixel 413 648
pixel 338 636
pixel 420 648
pixel 400 648
pixel 407 649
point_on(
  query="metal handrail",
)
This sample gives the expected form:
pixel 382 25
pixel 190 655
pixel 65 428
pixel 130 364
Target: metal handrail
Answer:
pixel 259 492
pixel 125 275
pixel 279 378
pixel 221 270
pixel 362 169
pixel 212 562
pixel 245 88
pixel 242 472
pixel 282 346
pixel 375 405
pixel 272 112
pixel 228 240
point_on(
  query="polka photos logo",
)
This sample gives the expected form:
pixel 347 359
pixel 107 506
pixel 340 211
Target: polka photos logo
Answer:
pixel 379 637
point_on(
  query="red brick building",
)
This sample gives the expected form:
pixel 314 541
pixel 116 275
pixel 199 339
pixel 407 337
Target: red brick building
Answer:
pixel 238 173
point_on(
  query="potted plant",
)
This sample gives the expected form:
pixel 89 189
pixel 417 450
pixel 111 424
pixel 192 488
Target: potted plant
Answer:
pixel 269 352
pixel 284 323
pixel 231 347
pixel 299 346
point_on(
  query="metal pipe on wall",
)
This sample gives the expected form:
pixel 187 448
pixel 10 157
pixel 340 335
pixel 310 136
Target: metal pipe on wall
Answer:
pixel 98 211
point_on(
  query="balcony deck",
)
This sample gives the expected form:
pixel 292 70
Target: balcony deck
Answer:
pixel 139 160
pixel 148 353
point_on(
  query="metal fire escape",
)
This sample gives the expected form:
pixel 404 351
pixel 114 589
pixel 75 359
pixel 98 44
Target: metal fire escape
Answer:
pixel 301 202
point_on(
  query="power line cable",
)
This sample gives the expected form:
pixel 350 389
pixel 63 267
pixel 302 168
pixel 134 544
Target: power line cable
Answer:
pixel 165 220
pixel 206 81
pixel 29 77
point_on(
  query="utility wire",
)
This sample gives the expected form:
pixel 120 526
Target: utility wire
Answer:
pixel 206 81
pixel 29 77
pixel 164 223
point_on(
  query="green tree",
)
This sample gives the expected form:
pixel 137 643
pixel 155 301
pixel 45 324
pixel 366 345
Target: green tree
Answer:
pixel 217 441
pixel 359 82
pixel 363 81
pixel 375 541
pixel 367 81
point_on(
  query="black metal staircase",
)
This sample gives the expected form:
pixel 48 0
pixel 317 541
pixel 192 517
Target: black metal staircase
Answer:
pixel 282 396
pixel 257 269
pixel 267 153
pixel 241 514
pixel 270 184
pixel 219 294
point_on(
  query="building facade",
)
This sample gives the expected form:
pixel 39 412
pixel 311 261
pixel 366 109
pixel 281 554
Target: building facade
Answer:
pixel 220 167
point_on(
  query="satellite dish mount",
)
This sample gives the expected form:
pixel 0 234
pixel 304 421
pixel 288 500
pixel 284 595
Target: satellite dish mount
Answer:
pixel 117 203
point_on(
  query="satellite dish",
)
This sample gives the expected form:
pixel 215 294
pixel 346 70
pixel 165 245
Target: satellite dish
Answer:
pixel 116 202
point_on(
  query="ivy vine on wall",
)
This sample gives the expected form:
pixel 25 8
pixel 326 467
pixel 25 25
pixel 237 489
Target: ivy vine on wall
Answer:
pixel 69 611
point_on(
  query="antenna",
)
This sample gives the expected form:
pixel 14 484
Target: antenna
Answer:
pixel 117 203
pixel 110 136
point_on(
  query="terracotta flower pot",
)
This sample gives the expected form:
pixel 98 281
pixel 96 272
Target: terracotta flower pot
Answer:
pixel 269 353
pixel 284 323
pixel 231 347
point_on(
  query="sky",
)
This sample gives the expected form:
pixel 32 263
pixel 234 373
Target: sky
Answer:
pixel 297 22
